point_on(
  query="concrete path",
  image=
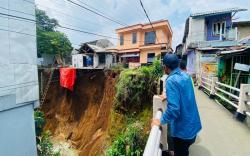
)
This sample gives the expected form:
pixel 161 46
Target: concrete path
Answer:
pixel 221 135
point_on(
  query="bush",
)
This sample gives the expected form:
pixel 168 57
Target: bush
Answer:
pixel 136 87
pixel 129 143
pixel 39 122
pixel 45 146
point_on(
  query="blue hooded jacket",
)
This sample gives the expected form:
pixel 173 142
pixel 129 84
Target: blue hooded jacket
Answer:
pixel 182 112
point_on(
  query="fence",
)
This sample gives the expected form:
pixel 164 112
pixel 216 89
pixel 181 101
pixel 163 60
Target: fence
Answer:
pixel 239 98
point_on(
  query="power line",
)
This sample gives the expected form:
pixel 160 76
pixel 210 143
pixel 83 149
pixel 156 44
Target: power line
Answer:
pixel 71 16
pixel 29 2
pixel 86 32
pixel 27 19
pixel 148 19
pixel 16 11
pixel 100 11
pixel 97 13
pixel 60 26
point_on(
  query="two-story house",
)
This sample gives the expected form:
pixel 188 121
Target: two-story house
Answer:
pixel 141 43
pixel 206 33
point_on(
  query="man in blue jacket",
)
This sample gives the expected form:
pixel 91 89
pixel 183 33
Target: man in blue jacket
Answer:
pixel 182 113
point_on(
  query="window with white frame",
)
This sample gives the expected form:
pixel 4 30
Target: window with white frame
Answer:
pixel 219 28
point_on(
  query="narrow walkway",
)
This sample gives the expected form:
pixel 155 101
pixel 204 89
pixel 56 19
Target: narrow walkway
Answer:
pixel 221 135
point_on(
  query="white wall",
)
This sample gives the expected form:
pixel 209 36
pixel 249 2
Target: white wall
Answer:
pixel 77 60
pixel 96 60
pixel 19 92
pixel 18 57
pixel 109 60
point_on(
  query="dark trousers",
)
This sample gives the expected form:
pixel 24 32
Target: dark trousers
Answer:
pixel 181 147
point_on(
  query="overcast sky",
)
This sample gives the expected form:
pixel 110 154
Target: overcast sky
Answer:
pixel 130 12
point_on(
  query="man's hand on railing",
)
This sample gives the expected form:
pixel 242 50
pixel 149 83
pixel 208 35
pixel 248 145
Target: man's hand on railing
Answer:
pixel 155 122
pixel 163 97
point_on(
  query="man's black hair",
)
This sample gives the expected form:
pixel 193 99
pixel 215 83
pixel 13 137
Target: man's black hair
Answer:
pixel 183 64
pixel 171 61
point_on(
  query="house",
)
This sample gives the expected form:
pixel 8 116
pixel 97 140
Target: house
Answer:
pixel 49 60
pixel 243 29
pixel 141 43
pixel 19 93
pixel 94 55
pixel 227 70
pixel 205 34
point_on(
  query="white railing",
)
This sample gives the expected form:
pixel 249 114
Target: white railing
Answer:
pixel 206 83
pixel 153 144
pixel 157 140
pixel 247 102
pixel 237 97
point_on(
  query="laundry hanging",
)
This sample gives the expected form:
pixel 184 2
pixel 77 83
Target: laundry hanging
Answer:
pixel 67 78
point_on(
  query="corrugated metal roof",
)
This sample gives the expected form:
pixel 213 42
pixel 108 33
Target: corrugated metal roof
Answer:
pixel 216 12
pixel 233 51
pixel 97 49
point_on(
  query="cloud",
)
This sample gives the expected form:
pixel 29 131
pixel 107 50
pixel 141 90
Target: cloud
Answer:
pixel 130 12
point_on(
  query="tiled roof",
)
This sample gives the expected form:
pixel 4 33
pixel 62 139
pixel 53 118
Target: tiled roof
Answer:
pixel 216 12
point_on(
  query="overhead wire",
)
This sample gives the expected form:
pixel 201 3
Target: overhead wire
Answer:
pixel 71 16
pixel 84 3
pixel 59 26
pixel 16 11
pixel 148 19
pixel 97 13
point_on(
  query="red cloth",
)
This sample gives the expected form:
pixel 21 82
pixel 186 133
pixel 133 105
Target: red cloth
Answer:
pixel 67 78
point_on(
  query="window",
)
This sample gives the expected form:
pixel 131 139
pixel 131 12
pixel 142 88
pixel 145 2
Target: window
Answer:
pixel 151 57
pixel 134 37
pixel 121 39
pixel 150 37
pixel 219 27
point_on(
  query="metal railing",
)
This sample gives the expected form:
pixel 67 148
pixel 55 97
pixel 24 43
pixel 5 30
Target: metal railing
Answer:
pixel 237 97
pixel 247 102
pixel 206 83
pixel 153 147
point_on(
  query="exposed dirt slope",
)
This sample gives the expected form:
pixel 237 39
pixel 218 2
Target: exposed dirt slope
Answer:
pixel 82 116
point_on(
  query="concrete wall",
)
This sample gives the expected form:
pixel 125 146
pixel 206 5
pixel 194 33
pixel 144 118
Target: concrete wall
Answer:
pixel 144 54
pixel 17 132
pixel 96 60
pixel 243 32
pixel 196 30
pixel 19 92
pixel 77 60
pixel 109 61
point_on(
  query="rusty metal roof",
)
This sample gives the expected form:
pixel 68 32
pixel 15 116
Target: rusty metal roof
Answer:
pixel 216 12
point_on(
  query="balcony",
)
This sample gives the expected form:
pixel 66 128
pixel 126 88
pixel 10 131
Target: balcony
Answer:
pixel 199 40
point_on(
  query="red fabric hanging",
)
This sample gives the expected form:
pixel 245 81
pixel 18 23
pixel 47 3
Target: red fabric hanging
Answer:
pixel 67 78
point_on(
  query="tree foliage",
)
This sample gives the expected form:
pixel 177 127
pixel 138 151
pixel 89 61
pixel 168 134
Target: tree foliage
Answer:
pixel 49 40
pixel 136 87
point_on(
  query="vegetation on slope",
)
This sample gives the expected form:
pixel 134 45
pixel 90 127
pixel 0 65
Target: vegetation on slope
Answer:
pixel 130 117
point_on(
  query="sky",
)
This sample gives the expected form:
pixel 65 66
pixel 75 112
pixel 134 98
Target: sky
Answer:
pixel 130 12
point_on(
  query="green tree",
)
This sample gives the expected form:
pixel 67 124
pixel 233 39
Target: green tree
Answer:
pixel 49 40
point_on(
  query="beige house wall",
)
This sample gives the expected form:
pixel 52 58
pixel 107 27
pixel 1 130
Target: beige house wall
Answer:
pixel 163 39
pixel 243 32
pixel 144 54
